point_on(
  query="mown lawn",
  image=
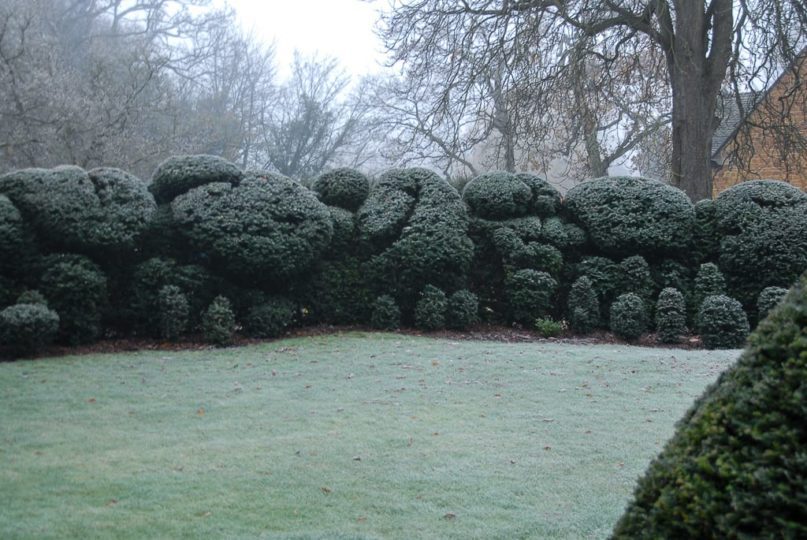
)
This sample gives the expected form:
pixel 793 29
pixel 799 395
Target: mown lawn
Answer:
pixel 343 436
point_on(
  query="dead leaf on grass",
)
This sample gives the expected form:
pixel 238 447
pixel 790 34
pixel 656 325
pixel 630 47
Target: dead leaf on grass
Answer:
pixel 326 490
pixel 91 400
pixel 201 411
pixel 449 516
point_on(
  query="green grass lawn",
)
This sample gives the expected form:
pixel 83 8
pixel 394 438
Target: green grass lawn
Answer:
pixel 343 436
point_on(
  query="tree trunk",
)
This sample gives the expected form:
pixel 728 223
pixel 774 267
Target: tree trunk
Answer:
pixel 697 58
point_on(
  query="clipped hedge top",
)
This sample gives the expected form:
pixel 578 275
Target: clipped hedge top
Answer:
pixel 11 229
pixel 747 202
pixel 345 188
pixel 632 215
pixel 259 229
pixel 497 195
pixel 735 466
pixel 179 174
pixel 84 211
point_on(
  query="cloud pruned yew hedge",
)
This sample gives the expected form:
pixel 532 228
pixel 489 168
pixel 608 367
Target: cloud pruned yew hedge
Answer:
pixel 180 174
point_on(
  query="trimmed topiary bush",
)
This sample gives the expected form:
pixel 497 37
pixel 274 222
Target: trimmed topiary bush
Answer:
pixel 735 467
pixel 582 307
pixel 27 328
pixel 530 294
pixel 173 314
pixel 633 216
pixel 671 315
pixel 768 299
pixel 462 310
pixel 386 314
pixel 670 273
pixel 430 311
pixel 271 318
pixel 180 174
pixel 413 228
pixel 12 234
pixel 343 240
pixel 635 277
pixel 498 195
pixel 628 317
pixel 763 228
pixel 143 304
pixel 69 208
pixel 605 276
pixel 722 323
pixel 218 322
pixel 337 293
pixel 260 231
pixel 345 188
pixel 76 289
pixel 708 282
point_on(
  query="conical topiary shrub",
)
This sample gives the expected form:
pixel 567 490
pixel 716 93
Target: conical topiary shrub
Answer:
pixel 737 464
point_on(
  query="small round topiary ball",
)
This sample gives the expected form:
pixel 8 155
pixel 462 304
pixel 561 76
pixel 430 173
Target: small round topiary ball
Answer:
pixel 179 174
pixel 628 316
pixel 671 315
pixel 346 188
pixel 722 323
pixel 386 314
pixel 27 328
pixel 462 310
pixel 430 311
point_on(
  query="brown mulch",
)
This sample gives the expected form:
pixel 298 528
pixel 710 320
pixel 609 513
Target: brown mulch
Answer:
pixel 480 332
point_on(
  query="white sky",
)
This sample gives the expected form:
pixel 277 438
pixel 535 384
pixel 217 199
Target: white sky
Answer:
pixel 343 29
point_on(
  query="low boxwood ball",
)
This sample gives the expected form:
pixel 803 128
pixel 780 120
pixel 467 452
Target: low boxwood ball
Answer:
pixel 498 195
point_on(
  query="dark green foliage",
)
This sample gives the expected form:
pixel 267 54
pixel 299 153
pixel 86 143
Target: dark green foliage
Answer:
pixel 262 231
pixel 736 467
pixel 32 297
pixel 462 310
pixel 628 318
pixel 605 276
pixel 430 311
pixel 414 227
pixel 149 277
pixel 635 277
pixel 9 290
pixel 270 318
pixel 546 199
pixel 562 235
pixel 583 308
pixel 768 299
pixel 105 209
pixel 77 290
pixel 517 254
pixel 343 240
pixel 530 294
pixel 722 323
pixel 671 315
pixel 708 282
pixel 705 237
pixel 527 228
pixel 173 312
pixel 180 174
pixel 498 195
pixel 670 273
pixel 12 234
pixel 218 322
pixel 337 293
pixel 27 328
pixel 633 216
pixel 345 188
pixel 763 228
pixel 548 327
pixel 386 314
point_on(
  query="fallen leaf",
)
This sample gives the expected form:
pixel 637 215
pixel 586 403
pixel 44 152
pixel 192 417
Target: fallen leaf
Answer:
pixel 356 458
pixel 91 400
pixel 274 373
pixel 203 514
pixel 326 490
pixel 547 447
pixel 449 516
pixel 201 411
pixel 361 519
pixel 435 363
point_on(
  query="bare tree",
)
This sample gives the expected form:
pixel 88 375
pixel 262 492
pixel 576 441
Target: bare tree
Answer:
pixel 313 120
pixel 698 40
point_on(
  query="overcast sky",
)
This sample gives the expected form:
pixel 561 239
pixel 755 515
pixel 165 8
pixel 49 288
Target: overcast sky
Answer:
pixel 339 28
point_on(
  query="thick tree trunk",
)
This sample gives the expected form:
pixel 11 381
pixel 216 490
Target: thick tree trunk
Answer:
pixel 697 58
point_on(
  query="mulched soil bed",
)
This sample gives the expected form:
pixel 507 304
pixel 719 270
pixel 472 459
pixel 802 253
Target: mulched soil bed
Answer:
pixel 480 332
